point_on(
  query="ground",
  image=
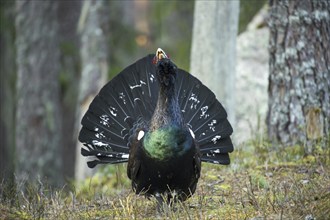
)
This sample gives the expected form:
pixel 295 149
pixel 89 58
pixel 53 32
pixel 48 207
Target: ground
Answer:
pixel 262 182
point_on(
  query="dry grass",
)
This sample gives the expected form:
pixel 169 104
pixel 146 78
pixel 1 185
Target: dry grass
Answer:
pixel 261 183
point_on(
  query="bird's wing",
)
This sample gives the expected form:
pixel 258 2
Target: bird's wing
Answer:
pixel 128 97
pixel 135 143
pixel 206 117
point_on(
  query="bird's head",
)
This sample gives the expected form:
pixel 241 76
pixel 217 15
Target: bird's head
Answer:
pixel 166 69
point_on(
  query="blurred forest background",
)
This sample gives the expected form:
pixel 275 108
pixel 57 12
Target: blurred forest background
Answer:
pixel 56 55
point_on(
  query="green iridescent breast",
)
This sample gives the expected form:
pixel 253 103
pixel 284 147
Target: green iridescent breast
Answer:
pixel 167 142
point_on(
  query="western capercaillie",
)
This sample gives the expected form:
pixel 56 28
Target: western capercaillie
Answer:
pixel 161 120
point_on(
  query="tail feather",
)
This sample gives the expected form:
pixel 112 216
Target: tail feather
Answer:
pixel 215 132
pixel 223 146
pixel 128 97
pixel 93 163
pixel 102 143
pixel 216 158
pixel 132 95
pixel 102 157
pixel 206 117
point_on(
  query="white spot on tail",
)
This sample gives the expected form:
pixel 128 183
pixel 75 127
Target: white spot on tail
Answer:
pixel 140 135
pixel 192 133
pixel 98 143
pixel 126 119
pixel 104 120
pixel 211 125
pixel 113 111
pixel 204 110
pixel 194 100
pixel 100 135
pixel 215 139
pixel 138 85
pixel 122 97
pixel 125 156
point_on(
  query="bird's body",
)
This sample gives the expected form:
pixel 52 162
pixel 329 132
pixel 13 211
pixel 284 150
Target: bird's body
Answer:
pixel 167 148
pixel 163 122
pixel 174 175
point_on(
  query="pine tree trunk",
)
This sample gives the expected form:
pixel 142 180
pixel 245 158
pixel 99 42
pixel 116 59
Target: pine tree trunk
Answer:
pixel 68 16
pixel 38 118
pixel 299 82
pixel 94 59
pixel 213 50
pixel 7 93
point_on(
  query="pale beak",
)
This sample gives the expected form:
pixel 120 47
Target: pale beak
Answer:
pixel 160 54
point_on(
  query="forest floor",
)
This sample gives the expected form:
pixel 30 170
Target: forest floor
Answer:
pixel 262 182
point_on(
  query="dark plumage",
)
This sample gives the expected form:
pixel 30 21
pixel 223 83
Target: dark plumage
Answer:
pixel 162 121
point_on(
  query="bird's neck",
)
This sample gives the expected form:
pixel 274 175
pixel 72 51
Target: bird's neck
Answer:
pixel 167 111
pixel 167 137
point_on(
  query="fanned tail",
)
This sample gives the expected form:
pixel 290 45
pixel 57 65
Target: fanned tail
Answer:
pixel 132 96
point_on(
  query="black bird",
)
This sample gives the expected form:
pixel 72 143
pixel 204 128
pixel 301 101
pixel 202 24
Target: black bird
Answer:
pixel 162 121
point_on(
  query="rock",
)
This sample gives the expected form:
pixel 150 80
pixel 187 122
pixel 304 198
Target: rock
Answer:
pixel 252 80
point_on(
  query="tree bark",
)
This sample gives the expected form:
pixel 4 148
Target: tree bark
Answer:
pixel 68 16
pixel 38 117
pixel 213 50
pixel 7 93
pixel 299 81
pixel 94 58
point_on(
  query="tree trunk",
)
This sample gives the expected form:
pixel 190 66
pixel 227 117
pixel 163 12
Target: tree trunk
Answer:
pixel 68 16
pixel 299 81
pixel 38 118
pixel 94 58
pixel 7 93
pixel 213 50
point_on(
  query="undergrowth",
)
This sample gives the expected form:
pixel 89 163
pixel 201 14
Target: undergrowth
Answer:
pixel 262 182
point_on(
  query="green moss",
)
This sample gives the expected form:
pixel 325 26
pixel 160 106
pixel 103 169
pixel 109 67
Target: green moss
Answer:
pixel 95 214
pixel 259 181
pixel 20 215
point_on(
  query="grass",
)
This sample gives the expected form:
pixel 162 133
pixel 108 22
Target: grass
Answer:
pixel 262 182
